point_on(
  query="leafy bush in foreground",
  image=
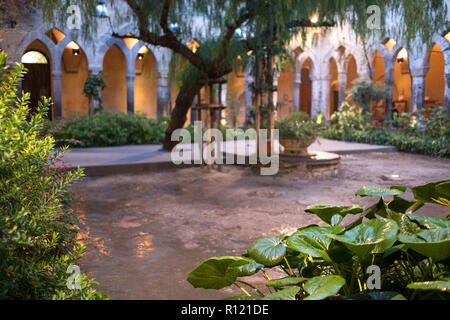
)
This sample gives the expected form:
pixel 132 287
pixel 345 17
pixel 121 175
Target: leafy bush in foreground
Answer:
pixel 106 129
pixel 37 227
pixel 411 252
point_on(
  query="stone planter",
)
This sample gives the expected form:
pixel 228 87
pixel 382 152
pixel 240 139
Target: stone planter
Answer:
pixel 296 146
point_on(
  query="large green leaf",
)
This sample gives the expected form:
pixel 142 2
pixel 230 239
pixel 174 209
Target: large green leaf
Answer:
pixel 399 204
pixel 286 294
pixel 326 212
pixel 313 241
pixel 436 192
pixel 369 191
pixel 245 270
pixel 323 287
pixel 373 236
pixel 430 243
pixel 431 222
pixel 213 273
pixel 268 251
pixel 443 285
pixel 285 282
pixel 403 221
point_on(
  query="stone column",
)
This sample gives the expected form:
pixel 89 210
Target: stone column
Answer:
pixel 389 84
pixel 417 92
pixel 342 83
pixel 163 93
pixel 57 94
pixel 130 93
pixel 318 95
pixel 323 86
pixel 296 95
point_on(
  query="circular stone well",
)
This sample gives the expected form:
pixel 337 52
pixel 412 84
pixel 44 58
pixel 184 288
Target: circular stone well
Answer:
pixel 318 164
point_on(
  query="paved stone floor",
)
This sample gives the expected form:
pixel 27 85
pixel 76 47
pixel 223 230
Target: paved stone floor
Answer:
pixel 144 233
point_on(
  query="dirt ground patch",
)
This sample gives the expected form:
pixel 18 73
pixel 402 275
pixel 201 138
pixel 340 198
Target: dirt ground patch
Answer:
pixel 145 233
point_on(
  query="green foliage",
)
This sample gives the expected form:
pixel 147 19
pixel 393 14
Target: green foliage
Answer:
pixel 425 135
pixel 364 92
pixel 37 227
pixel 105 129
pixel 298 125
pixel 333 262
pixel 92 89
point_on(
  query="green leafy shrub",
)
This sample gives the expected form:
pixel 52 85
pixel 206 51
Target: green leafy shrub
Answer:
pixel 411 253
pixel 424 135
pixel 105 129
pixel 298 125
pixel 37 227
pixel 364 92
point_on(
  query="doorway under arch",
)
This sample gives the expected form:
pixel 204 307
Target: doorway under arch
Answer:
pixel 37 80
pixel 306 87
pixel 333 103
pixel 379 79
pixel 401 90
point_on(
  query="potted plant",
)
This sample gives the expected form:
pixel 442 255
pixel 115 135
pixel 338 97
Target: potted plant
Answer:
pixel 297 133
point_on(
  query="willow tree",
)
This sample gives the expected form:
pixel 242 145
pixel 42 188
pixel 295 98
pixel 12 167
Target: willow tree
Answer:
pixel 269 25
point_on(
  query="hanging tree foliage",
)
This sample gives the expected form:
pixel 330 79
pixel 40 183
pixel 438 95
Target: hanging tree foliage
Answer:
pixel 172 23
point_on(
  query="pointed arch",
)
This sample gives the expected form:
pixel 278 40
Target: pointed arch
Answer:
pixel 146 83
pixel 333 103
pixel 37 80
pixel 115 73
pixel 435 78
pixel 306 76
pixel 402 87
pixel 74 72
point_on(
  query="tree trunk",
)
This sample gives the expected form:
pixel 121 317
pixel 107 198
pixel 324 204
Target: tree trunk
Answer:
pixel 179 114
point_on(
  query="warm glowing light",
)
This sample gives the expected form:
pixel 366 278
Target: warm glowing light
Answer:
pixel 250 53
pixel 130 42
pixel 143 50
pixel 390 44
pixel 34 57
pixel 315 18
pixel 73 45
pixel 447 36
pixel 403 54
pixel 193 45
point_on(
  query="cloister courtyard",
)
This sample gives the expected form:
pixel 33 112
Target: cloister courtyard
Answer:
pixel 238 150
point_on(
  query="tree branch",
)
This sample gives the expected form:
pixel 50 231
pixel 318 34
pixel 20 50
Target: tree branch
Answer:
pixel 168 39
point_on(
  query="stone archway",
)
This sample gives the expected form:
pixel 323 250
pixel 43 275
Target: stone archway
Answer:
pixel 379 79
pixel 435 78
pixel 146 83
pixel 37 80
pixel 352 71
pixel 333 103
pixel 74 72
pixel 401 90
pixel 115 72
pixel 306 86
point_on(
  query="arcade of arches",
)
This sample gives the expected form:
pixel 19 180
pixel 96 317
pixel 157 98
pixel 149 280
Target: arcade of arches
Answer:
pixel 134 80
